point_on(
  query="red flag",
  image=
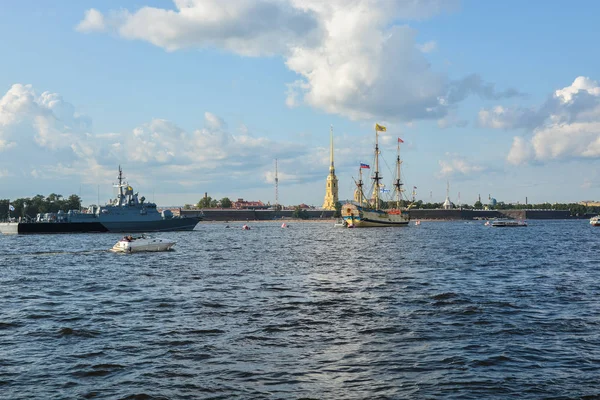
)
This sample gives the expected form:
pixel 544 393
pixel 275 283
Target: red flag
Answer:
pixel 400 140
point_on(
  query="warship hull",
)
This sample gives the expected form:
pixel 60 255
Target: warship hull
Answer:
pixel 175 224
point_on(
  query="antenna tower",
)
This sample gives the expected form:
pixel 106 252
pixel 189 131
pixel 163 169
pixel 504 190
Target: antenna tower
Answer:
pixel 276 187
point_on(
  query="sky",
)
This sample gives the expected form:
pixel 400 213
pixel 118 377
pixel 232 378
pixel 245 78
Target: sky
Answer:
pixel 189 97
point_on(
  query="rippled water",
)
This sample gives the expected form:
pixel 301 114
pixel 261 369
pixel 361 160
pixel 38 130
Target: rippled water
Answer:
pixel 443 310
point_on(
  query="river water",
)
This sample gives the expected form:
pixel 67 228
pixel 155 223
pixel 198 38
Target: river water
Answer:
pixel 443 310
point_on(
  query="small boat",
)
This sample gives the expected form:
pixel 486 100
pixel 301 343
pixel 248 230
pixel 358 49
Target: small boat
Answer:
pixel 245 227
pixel 508 224
pixel 595 221
pixel 130 244
pixel 284 225
pixel 417 223
pixel 340 223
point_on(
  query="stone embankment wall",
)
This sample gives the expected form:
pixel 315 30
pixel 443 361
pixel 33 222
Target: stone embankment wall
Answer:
pixel 217 214
pixel 488 214
pixel 222 214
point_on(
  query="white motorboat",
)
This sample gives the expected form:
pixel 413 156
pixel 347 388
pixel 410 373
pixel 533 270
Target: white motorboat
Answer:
pixel 595 221
pixel 131 244
pixel 508 224
pixel 340 223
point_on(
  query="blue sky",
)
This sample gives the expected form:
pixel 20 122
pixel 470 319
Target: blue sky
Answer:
pixel 191 96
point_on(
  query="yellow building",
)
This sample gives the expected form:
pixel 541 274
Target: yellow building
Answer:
pixel 331 193
pixel 590 203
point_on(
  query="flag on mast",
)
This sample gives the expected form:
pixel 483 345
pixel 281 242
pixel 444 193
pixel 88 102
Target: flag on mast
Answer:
pixel 380 128
pixel 11 207
pixel 364 166
pixel 400 140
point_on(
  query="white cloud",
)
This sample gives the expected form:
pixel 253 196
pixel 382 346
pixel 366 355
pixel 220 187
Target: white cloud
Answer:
pixel 520 151
pixel 451 121
pixel 354 58
pixel 93 21
pixel 580 84
pixel 428 47
pixel 566 126
pixel 559 141
pixel 247 27
pixel 508 118
pixel 44 138
pixel 456 165
pixel 52 121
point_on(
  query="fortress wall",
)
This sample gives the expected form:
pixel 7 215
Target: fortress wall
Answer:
pixel 217 214
pixel 547 214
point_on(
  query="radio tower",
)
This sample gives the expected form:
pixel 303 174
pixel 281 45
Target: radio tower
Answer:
pixel 276 188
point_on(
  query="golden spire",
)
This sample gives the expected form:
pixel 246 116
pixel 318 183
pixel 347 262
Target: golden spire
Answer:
pixel 331 167
pixel 331 192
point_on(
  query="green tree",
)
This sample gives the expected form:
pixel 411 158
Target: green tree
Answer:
pixel 214 203
pixel 226 203
pixel 478 205
pixel 338 210
pixel 300 213
pixel 204 202
pixel 4 209
pixel 73 202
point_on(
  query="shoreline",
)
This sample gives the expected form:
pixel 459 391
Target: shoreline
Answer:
pixel 278 221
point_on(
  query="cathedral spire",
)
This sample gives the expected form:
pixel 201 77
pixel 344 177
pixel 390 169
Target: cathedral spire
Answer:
pixel 331 167
pixel 331 192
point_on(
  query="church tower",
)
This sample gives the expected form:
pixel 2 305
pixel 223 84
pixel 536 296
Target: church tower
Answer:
pixel 331 193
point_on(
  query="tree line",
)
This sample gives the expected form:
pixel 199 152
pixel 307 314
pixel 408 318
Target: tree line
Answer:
pixel 55 202
pixel 209 202
pixel 39 204
pixel 574 208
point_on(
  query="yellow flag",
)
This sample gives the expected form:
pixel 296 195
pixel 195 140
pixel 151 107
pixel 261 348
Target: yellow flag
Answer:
pixel 380 128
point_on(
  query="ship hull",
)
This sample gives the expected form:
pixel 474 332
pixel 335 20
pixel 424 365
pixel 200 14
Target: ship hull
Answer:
pixel 359 217
pixel 175 224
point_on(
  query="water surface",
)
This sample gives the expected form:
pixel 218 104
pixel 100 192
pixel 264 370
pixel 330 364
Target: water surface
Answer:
pixel 442 310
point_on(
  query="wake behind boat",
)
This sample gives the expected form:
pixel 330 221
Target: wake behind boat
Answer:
pixel 130 244
pixel 368 212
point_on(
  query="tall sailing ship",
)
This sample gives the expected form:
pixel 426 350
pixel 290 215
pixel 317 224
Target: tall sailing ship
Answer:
pixel 364 213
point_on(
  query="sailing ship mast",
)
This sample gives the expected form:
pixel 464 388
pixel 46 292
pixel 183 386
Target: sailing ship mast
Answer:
pixel 359 185
pixel 376 178
pixel 397 182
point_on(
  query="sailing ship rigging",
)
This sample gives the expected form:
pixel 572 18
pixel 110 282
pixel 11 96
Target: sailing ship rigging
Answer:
pixel 369 213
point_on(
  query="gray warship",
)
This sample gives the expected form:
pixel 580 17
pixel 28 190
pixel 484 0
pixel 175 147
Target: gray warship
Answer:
pixel 126 213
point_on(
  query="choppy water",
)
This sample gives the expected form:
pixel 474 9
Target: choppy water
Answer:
pixel 444 310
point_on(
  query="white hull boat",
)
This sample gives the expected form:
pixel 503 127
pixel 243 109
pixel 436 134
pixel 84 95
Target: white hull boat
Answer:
pixel 595 221
pixel 341 223
pixel 131 244
pixel 508 224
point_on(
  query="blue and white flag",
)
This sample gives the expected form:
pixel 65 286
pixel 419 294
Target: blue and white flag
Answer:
pixel 11 207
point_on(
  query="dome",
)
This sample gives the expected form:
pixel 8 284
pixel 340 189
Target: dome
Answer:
pixel 447 204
